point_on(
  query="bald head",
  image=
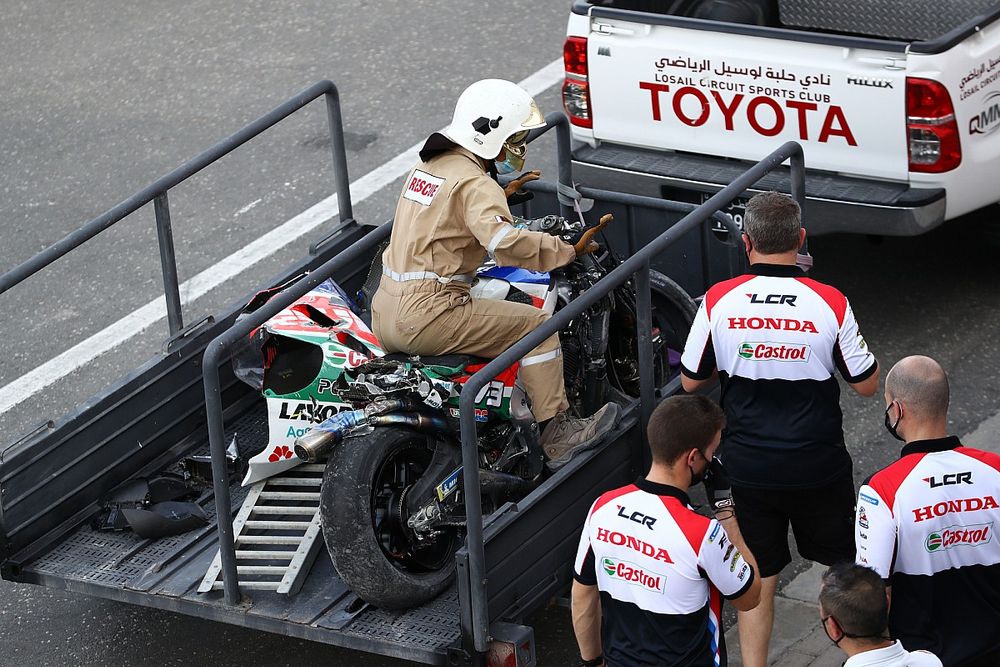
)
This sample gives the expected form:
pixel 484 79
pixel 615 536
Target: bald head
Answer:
pixel 921 385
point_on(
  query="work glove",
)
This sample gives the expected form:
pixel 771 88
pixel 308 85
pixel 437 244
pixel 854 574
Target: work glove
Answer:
pixel 582 241
pixel 718 488
pixel 512 191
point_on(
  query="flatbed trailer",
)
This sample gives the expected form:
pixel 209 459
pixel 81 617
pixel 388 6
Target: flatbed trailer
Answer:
pixel 187 401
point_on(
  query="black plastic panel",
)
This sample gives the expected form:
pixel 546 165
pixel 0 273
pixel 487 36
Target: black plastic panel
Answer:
pixel 531 546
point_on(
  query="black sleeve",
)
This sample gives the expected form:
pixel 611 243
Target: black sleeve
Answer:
pixel 587 574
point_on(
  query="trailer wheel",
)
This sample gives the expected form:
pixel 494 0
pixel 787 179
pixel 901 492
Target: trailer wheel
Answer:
pixel 363 515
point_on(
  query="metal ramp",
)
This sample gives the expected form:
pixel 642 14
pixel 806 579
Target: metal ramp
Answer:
pixel 277 533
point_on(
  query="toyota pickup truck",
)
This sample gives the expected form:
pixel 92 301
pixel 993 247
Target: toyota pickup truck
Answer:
pixel 897 107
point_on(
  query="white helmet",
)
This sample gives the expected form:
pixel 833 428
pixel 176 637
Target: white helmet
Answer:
pixel 488 113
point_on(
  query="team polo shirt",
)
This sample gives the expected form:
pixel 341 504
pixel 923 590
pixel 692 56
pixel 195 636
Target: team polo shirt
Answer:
pixel 893 655
pixel 927 523
pixel 776 338
pixel 662 571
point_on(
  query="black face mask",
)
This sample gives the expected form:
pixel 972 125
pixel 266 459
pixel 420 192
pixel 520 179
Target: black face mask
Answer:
pixel 836 642
pixel 889 426
pixel 697 478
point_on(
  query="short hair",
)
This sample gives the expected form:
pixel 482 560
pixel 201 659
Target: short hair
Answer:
pixel 922 385
pixel 855 596
pixel 772 221
pixel 682 423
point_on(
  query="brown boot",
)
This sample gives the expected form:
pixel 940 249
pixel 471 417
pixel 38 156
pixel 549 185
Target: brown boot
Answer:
pixel 565 436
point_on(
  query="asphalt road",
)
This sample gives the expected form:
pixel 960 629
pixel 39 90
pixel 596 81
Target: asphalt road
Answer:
pixel 102 98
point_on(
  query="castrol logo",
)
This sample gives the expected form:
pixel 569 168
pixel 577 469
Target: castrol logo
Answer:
pixel 421 187
pixel 955 536
pixel 766 351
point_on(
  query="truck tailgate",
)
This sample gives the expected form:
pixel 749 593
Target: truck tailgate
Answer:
pixel 739 96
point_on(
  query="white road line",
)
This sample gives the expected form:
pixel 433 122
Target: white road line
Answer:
pixel 135 322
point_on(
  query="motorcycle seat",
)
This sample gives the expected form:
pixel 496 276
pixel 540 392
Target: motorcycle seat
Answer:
pixel 449 360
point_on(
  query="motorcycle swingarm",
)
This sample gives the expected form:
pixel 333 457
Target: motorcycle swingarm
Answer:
pixel 446 458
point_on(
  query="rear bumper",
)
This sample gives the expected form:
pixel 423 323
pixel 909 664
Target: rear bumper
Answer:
pixel 833 203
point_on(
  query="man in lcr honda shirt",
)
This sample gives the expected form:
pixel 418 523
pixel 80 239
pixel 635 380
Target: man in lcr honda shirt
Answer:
pixel 650 572
pixel 775 338
pixel 927 523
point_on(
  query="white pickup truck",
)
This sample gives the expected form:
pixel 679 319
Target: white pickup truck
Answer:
pixel 897 104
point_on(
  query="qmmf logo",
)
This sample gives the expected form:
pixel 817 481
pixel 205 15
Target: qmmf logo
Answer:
pixel 987 120
pixel 954 536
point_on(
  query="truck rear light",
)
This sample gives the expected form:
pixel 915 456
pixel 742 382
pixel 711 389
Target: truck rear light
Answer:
pixel 576 91
pixel 510 654
pixel 931 128
pixel 575 56
pixel 576 101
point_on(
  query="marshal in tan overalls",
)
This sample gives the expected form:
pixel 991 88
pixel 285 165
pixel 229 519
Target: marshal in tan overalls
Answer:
pixel 450 214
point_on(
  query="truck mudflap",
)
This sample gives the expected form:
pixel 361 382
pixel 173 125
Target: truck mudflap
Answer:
pixel 834 203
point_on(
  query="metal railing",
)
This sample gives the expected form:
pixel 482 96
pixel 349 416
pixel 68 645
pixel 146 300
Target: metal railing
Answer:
pixel 638 265
pixel 157 193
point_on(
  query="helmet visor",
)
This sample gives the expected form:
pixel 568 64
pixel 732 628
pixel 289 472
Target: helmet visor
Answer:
pixel 517 139
pixel 515 153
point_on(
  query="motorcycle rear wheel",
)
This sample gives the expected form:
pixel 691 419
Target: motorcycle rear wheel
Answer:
pixel 362 510
pixel 673 313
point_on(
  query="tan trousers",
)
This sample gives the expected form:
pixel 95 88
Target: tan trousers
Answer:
pixel 425 317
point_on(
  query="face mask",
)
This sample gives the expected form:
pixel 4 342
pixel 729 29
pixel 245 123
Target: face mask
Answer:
pixel 890 427
pixel 697 478
pixel 514 150
pixel 836 641
pixel 505 167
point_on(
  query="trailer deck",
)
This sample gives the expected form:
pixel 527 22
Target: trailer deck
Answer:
pixel 165 574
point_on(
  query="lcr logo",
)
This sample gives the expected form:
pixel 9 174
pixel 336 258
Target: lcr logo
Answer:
pixel 773 299
pixel 949 479
pixel 638 517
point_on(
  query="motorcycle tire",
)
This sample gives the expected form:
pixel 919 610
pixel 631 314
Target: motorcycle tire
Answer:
pixel 365 536
pixel 673 314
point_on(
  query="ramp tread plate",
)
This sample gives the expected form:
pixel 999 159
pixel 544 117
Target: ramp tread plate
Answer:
pixel 434 625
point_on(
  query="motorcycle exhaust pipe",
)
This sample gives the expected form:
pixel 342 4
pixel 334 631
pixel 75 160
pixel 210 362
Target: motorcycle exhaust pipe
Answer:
pixel 320 439
pixel 418 421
